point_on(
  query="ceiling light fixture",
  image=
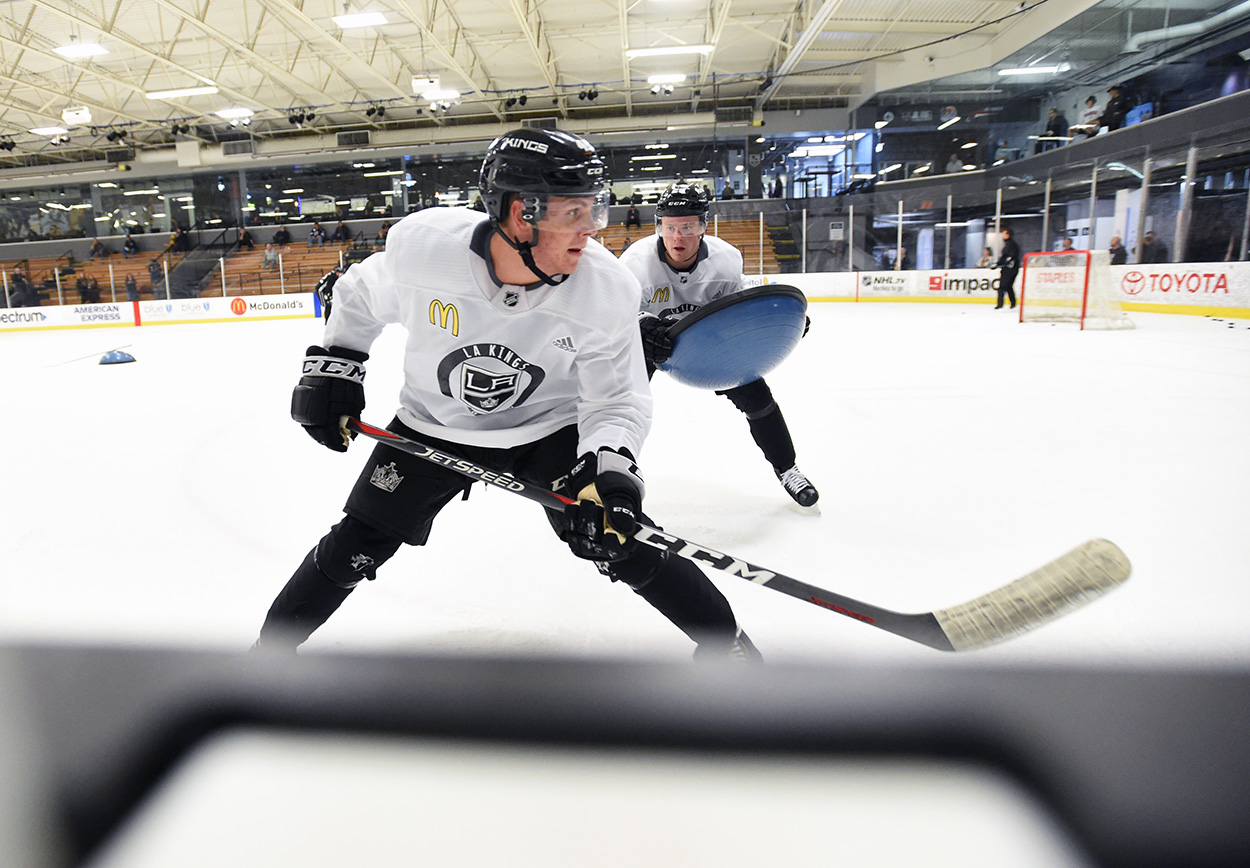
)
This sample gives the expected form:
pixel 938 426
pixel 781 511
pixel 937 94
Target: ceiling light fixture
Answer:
pixel 181 92
pixel 950 123
pixel 235 113
pixel 79 50
pixel 49 131
pixel 1036 70
pixel 669 50
pixel 666 78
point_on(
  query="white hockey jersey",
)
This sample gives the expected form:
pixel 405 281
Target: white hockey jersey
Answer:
pixel 717 272
pixel 499 365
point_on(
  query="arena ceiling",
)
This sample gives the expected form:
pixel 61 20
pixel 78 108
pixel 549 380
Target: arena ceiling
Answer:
pixel 587 64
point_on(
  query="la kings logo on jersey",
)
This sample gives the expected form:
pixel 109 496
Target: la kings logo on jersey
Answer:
pixel 386 477
pixel 487 378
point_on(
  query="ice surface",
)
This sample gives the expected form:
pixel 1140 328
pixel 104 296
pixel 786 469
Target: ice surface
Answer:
pixel 955 450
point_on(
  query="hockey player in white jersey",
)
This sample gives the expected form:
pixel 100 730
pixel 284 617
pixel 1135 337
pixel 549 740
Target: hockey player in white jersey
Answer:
pixel 681 270
pixel 522 354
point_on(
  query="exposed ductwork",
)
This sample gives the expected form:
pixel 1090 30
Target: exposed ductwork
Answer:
pixel 1139 41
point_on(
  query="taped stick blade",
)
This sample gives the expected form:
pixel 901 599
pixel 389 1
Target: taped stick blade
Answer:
pixel 1061 586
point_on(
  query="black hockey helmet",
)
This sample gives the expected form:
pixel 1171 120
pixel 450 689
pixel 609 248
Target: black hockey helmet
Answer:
pixel 537 163
pixel 682 200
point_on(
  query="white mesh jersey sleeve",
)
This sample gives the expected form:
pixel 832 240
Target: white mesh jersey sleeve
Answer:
pixel 499 366
pixel 666 291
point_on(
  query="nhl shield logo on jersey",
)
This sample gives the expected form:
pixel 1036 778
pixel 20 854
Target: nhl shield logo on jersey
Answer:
pixel 487 378
pixel 386 477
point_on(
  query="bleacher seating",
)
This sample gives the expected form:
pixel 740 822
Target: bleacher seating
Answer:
pixel 302 267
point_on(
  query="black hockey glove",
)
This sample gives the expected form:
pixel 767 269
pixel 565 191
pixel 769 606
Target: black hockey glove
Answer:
pixel 333 386
pixel 807 324
pixel 609 490
pixel 657 346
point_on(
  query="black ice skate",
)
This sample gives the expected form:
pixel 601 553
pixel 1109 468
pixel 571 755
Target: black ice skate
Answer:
pixel 797 486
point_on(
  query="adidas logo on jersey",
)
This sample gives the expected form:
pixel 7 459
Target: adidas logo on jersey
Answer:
pixel 565 343
pixel 386 477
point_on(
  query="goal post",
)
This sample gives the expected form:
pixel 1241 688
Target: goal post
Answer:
pixel 1071 286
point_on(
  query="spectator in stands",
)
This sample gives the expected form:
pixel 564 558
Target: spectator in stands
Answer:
pixel 132 288
pixel 21 293
pixel 954 164
pixel 179 240
pixel 342 234
pixel 129 247
pixel 316 235
pixel 1009 263
pixel 1119 256
pixel 633 217
pixel 282 237
pixel 270 259
pixel 155 276
pixel 1056 132
pixel 382 230
pixel 97 249
pixel 1091 118
pixel 1153 250
pixel 987 259
pixel 1065 244
pixel 625 244
pixel 246 241
pixel 93 291
pixel 1117 108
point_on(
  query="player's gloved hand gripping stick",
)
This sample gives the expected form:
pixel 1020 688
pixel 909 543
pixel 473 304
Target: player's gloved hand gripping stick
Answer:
pixel 1066 583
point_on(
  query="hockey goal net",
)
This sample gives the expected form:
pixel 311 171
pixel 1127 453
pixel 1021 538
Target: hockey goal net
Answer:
pixel 1071 286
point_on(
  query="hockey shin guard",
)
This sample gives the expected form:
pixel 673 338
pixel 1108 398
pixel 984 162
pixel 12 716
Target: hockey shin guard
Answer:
pixel 303 605
pixel 680 592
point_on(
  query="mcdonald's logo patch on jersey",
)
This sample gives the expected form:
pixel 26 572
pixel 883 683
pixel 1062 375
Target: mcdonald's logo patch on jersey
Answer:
pixel 442 315
pixel 660 296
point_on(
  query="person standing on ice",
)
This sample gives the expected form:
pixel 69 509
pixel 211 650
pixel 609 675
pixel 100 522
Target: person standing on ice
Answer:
pixel 522 355
pixel 681 269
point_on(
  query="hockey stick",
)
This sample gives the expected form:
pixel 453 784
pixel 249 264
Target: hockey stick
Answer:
pixel 1064 584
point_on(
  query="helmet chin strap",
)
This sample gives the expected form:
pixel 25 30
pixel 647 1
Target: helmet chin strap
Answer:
pixel 526 250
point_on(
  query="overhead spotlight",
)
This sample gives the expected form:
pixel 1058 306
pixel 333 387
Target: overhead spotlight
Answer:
pixel 655 89
pixel 522 99
pixel 381 111
pixel 509 102
pixel 310 116
pixel 592 94
pixel 582 95
pixel 294 119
